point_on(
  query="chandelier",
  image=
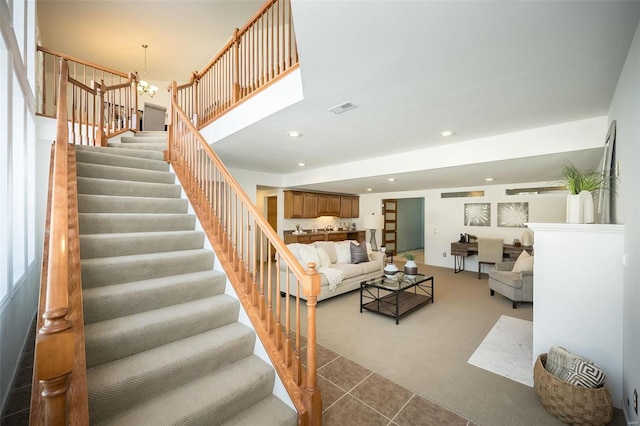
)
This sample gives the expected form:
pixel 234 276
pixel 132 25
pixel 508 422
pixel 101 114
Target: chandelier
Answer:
pixel 143 86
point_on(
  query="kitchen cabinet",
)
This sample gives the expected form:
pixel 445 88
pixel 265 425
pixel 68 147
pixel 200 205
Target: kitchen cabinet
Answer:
pixel 328 205
pixel 349 206
pixel 300 204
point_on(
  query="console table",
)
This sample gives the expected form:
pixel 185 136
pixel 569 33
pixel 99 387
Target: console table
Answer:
pixel 461 250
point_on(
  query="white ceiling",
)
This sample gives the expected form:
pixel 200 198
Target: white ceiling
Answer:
pixel 414 68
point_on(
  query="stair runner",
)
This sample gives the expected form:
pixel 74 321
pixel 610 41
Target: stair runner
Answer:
pixel 163 341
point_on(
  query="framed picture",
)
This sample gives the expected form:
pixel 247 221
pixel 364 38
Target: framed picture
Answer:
pixel 477 214
pixel 513 215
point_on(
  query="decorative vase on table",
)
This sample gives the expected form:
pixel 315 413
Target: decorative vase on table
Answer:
pixel 580 207
pixel 410 268
pixel 390 270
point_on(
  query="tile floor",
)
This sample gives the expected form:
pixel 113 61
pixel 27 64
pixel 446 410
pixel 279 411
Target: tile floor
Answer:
pixel 351 395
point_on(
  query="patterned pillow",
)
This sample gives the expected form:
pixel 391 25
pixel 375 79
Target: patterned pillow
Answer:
pixel 586 374
pixel 359 253
pixel 560 361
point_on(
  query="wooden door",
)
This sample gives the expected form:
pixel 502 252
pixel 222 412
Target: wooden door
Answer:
pixel 390 231
pixel 272 217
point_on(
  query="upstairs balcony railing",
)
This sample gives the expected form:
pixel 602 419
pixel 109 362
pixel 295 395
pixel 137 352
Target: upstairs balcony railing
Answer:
pixel 101 102
pixel 261 52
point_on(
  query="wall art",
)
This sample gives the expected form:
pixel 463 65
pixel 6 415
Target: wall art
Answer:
pixel 513 215
pixel 477 214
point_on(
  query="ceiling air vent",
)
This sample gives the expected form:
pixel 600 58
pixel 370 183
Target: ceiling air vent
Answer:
pixel 339 109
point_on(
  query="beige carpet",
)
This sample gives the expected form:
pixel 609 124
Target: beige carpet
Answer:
pixel 427 352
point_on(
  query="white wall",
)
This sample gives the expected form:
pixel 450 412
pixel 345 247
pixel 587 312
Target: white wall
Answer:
pixel 577 302
pixel 625 109
pixel 444 217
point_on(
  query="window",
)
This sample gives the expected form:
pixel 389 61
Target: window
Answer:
pixel 17 182
pixel 4 166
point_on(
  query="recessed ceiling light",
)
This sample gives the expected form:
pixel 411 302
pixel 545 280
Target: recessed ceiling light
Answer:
pixel 446 133
pixel 391 179
pixel 301 164
pixel 489 179
pixel 294 133
pixel 369 189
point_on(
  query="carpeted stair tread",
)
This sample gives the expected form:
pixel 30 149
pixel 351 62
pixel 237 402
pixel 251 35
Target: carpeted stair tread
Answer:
pixel 146 139
pixel 122 384
pixel 101 223
pixel 122 204
pixel 120 269
pixel 140 153
pixel 112 159
pixel 151 146
pixel 209 400
pixel 118 300
pixel 123 244
pixel 146 133
pixel 269 411
pixel 107 341
pixel 103 171
pixel 87 185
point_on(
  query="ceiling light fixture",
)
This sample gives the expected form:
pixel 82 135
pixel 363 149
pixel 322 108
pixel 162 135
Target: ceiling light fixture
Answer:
pixel 489 179
pixel 294 133
pixel 391 179
pixel 447 133
pixel 143 86
pixel 369 189
pixel 301 164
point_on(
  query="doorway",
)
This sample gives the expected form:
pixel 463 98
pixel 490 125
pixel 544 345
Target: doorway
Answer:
pixel 404 226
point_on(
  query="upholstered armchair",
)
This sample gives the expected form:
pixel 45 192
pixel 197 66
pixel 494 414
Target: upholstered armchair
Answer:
pixel 516 286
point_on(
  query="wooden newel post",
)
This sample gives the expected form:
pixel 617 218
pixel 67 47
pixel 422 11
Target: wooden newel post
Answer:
pixel 311 392
pixel 101 138
pixel 173 96
pixel 236 66
pixel 55 357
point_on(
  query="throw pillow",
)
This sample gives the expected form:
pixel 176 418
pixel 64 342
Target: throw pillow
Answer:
pixel 560 361
pixel 343 252
pixel 308 254
pixel 329 248
pixel 359 253
pixel 524 262
pixel 325 261
pixel 586 374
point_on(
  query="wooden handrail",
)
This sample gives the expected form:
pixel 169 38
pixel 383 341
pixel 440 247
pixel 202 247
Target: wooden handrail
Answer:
pixel 263 51
pixel 59 359
pixel 245 244
pixel 103 102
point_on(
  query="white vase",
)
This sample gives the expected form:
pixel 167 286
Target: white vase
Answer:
pixel 390 270
pixel 527 238
pixel 580 207
pixel 410 268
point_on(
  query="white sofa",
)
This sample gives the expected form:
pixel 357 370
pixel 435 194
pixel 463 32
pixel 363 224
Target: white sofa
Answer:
pixel 333 267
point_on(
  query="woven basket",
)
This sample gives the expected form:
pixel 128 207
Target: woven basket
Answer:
pixel 569 403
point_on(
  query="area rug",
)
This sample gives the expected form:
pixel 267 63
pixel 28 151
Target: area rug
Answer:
pixel 507 350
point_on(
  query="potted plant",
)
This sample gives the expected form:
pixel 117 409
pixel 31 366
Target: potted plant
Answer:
pixel 410 267
pixel 581 184
pixel 297 228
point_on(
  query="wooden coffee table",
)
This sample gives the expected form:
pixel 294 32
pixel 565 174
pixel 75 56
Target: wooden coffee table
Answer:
pixel 395 298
